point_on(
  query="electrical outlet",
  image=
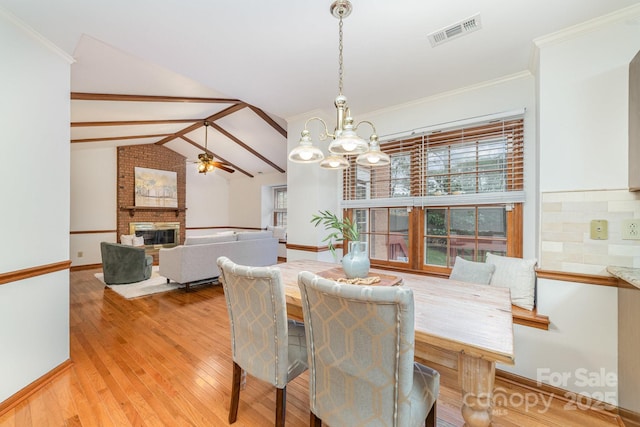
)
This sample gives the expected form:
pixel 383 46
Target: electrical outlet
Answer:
pixel 631 229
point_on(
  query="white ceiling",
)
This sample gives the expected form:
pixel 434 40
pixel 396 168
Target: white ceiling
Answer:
pixel 279 56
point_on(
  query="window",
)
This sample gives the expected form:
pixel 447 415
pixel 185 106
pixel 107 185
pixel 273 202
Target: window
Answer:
pixel 386 230
pixel 468 232
pixel 446 193
pixel 280 206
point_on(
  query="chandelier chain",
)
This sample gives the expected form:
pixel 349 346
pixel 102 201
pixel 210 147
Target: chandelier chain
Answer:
pixel 340 63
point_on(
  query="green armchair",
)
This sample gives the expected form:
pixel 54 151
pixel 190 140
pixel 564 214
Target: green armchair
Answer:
pixel 124 264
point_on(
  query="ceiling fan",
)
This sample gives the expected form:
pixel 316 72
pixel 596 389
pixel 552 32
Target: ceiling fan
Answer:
pixel 206 162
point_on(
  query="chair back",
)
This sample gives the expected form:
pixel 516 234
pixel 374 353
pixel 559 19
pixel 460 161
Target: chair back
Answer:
pixel 257 314
pixel 360 341
pixel 123 263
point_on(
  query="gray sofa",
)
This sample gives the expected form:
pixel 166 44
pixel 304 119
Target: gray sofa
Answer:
pixel 195 261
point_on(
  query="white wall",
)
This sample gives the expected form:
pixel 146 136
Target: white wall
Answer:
pixel 34 171
pixel 583 141
pixel 246 199
pixel 93 201
pixel 207 200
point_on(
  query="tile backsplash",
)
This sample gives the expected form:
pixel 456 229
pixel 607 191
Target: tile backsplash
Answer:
pixel 566 218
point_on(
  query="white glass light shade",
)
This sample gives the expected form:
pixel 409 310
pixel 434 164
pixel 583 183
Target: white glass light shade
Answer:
pixel 348 142
pixel 334 162
pixel 305 152
pixel 373 157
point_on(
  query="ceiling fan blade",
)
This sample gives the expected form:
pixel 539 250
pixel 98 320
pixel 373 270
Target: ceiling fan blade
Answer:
pixel 224 168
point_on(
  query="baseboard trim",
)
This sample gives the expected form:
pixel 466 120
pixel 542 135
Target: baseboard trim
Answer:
pixel 630 418
pixel 35 386
pixel 559 393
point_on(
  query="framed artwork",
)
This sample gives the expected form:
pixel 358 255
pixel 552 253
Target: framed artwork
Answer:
pixel 156 188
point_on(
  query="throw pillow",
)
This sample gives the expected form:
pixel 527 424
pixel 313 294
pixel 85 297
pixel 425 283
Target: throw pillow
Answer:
pixel 138 241
pixel 127 239
pixel 472 272
pixel 517 274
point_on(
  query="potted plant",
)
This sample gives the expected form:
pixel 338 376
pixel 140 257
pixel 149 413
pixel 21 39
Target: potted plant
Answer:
pixel 356 262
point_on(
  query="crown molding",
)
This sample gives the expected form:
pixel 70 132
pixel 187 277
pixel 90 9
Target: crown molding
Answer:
pixel 36 36
pixel 587 26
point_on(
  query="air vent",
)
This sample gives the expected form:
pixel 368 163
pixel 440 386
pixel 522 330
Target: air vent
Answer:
pixel 454 31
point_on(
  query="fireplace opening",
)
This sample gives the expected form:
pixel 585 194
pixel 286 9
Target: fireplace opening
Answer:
pixel 157 234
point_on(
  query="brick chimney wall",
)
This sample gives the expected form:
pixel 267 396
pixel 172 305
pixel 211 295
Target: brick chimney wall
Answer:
pixel 153 157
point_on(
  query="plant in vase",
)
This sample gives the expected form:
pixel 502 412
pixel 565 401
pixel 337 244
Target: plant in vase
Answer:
pixel 356 262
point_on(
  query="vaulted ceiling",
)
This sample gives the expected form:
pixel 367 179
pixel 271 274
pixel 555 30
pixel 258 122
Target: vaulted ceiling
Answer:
pixel 150 72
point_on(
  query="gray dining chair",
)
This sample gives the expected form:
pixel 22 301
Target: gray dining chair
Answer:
pixel 264 343
pixel 360 341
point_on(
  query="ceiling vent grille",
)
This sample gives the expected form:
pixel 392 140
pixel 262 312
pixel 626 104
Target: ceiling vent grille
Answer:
pixel 454 31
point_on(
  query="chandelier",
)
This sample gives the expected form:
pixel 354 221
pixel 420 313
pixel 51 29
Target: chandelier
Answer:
pixel 205 161
pixel 345 140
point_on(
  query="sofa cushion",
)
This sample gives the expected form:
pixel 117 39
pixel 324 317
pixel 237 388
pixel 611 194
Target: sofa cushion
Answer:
pixel 518 275
pixel 472 272
pixel 214 238
pixel 252 235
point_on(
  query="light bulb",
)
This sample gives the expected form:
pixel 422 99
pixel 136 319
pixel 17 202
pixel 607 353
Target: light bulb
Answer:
pixel 373 158
pixel 306 154
pixel 334 164
pixel 349 145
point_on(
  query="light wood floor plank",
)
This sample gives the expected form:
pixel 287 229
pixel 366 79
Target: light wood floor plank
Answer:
pixel 165 360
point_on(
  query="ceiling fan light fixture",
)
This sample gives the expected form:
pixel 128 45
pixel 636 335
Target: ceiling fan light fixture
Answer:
pixel 206 163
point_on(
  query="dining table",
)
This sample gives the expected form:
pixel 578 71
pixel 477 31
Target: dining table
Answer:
pixel 467 323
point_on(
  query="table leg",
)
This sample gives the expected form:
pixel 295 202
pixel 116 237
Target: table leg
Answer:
pixel 476 378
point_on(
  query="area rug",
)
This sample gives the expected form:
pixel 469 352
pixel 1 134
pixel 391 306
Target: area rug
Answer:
pixel 155 284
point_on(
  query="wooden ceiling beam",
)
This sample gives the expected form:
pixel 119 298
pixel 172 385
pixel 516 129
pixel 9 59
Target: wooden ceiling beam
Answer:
pixel 211 153
pixel 83 96
pixel 264 116
pixel 246 147
pixel 220 114
pixel 132 122
pixel 118 138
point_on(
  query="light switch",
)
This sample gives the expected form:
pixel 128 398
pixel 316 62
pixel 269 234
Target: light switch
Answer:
pixel 599 229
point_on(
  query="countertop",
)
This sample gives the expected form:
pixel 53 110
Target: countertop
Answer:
pixel 628 274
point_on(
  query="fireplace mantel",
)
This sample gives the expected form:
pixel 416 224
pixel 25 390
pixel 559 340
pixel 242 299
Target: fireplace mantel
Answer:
pixel 132 209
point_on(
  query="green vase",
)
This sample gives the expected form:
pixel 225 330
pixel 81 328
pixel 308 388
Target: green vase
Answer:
pixel 356 263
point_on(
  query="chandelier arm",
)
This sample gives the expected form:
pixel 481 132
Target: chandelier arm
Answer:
pixel 367 122
pixel 323 135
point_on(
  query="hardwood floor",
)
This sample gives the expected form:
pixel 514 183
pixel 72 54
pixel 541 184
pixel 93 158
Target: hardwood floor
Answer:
pixel 165 360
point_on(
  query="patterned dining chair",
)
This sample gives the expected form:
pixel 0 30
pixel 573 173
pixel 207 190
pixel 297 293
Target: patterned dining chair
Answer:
pixel 264 343
pixel 360 341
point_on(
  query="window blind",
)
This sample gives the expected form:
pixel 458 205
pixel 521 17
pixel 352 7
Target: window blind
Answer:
pixel 474 164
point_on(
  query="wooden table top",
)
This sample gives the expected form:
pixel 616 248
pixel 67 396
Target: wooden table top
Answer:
pixel 454 316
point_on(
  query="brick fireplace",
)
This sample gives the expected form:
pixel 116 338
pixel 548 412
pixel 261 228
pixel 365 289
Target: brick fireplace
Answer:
pixel 153 157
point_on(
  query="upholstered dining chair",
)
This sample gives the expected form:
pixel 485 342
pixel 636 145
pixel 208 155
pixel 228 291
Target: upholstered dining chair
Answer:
pixel 360 341
pixel 264 343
